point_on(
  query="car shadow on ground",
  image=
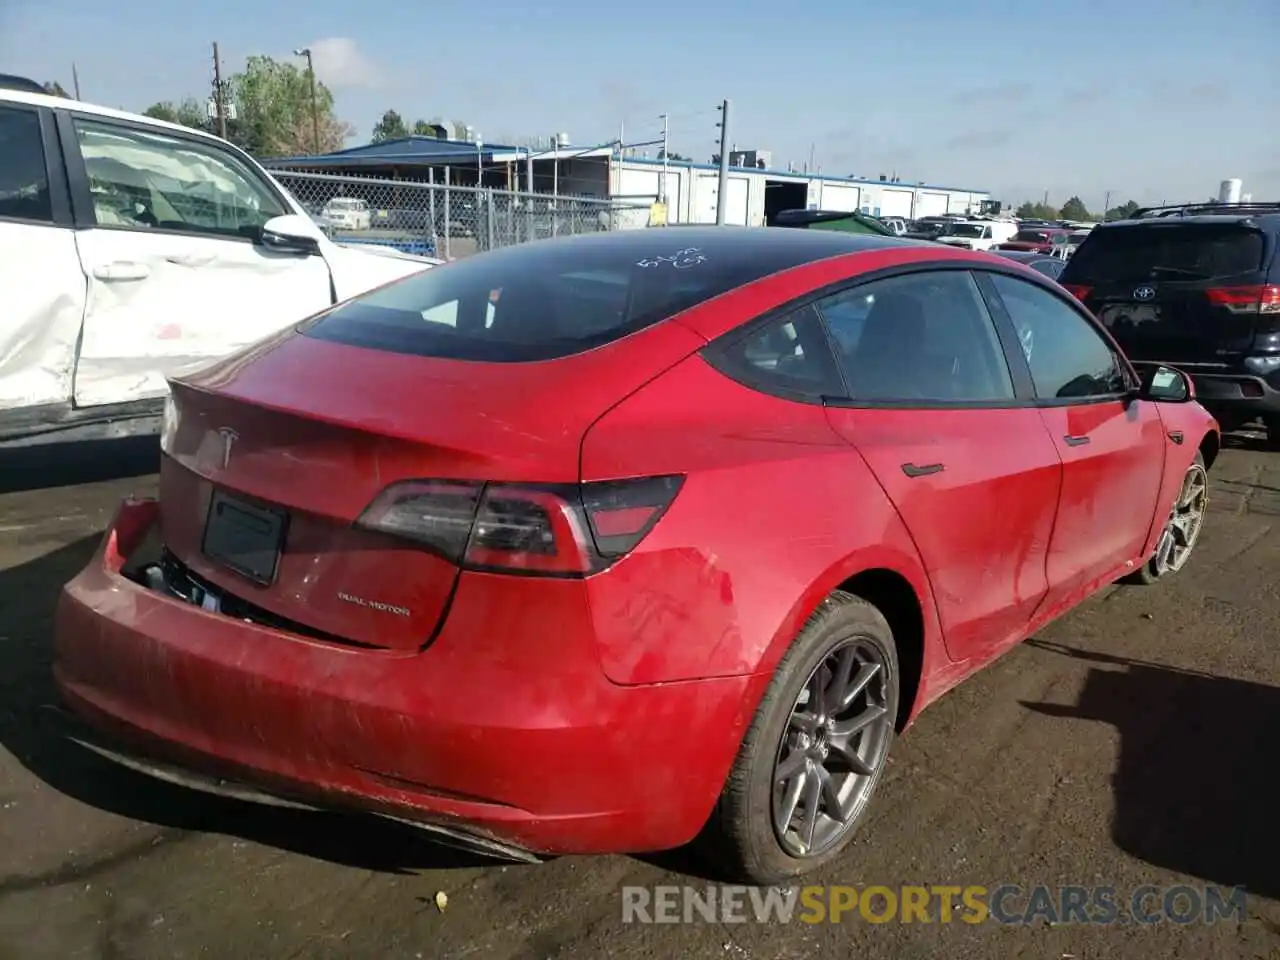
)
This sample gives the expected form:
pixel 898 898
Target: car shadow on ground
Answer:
pixel 1193 789
pixel 86 461
pixel 32 734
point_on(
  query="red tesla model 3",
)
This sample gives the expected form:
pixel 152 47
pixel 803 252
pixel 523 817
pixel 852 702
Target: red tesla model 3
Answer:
pixel 616 542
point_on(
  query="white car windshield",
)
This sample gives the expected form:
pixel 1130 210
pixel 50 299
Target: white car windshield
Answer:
pixel 345 204
pixel 964 230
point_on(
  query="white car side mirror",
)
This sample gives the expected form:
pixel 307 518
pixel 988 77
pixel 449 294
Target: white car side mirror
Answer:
pixel 292 233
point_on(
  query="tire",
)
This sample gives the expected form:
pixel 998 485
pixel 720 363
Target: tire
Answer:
pixel 1272 423
pixel 1154 570
pixel 740 841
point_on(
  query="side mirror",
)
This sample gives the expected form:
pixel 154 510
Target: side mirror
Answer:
pixel 292 233
pixel 1163 384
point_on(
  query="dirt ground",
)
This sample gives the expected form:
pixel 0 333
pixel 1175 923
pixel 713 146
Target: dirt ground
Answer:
pixel 1131 744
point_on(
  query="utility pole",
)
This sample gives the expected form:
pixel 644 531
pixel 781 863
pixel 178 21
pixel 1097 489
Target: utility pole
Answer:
pixel 75 80
pixel 722 194
pixel 662 190
pixel 219 95
pixel 1106 205
pixel 315 110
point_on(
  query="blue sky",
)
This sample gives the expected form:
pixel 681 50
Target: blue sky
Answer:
pixel 1146 99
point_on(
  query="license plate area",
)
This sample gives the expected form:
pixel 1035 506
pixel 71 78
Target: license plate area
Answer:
pixel 1127 317
pixel 244 537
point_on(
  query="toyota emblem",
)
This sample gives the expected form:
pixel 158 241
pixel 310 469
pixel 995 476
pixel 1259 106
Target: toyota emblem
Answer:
pixel 1144 293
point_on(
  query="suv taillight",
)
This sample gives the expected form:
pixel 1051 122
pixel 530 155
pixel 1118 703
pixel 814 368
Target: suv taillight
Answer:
pixel 1077 290
pixel 548 529
pixel 1257 298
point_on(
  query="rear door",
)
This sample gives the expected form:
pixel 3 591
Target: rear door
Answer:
pixel 958 448
pixel 1182 292
pixel 1112 445
pixel 175 276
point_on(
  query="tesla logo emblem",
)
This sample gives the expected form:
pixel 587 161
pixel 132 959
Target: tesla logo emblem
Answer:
pixel 229 437
pixel 1144 293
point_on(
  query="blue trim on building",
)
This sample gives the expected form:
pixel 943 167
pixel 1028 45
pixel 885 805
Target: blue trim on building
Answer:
pixel 801 176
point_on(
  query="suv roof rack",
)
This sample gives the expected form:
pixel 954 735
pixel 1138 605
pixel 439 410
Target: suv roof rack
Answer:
pixel 1194 209
pixel 10 81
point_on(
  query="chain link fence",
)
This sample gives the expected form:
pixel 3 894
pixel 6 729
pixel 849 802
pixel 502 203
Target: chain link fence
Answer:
pixel 449 221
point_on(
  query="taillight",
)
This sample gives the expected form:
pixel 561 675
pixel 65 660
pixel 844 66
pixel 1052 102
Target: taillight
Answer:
pixel 1258 298
pixel 550 529
pixel 1077 290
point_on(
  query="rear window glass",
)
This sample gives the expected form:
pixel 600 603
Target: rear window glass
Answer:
pixel 1174 252
pixel 551 299
pixel 1031 236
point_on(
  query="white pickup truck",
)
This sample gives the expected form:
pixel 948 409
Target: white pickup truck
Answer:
pixel 132 250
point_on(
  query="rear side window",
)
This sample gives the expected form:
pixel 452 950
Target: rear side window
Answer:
pixel 24 184
pixel 1166 252
pixel 540 301
pixel 788 356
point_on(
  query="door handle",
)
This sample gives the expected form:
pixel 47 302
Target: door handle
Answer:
pixel 122 270
pixel 1176 436
pixel 913 471
pixel 1075 441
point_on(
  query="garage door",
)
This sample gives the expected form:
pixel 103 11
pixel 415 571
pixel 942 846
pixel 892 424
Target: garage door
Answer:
pixel 736 210
pixel 839 196
pixel 895 203
pixel 931 204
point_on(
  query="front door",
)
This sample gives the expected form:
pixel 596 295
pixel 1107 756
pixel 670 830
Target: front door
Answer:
pixel 973 474
pixel 1112 445
pixel 176 277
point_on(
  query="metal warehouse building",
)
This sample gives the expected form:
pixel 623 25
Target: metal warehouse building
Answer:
pixel 756 194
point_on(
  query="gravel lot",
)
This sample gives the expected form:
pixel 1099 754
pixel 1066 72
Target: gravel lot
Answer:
pixel 1127 745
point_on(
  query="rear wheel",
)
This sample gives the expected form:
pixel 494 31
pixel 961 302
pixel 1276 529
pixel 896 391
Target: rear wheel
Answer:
pixel 1182 529
pixel 814 752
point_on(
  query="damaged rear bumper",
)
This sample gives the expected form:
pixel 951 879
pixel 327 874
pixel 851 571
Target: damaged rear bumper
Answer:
pixel 504 731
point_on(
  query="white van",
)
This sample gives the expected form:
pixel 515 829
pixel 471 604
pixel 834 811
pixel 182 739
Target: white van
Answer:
pixel 977 234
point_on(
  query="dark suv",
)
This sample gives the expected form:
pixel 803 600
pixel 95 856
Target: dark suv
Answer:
pixel 1197 286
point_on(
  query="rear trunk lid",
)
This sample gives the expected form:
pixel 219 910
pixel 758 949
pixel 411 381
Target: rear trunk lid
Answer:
pixel 1189 293
pixel 272 456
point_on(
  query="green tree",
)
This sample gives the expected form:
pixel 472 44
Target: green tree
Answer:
pixel 189 113
pixel 1074 209
pixel 390 127
pixel 1037 211
pixel 274 111
pixel 54 89
pixel 1125 209
pixel 427 128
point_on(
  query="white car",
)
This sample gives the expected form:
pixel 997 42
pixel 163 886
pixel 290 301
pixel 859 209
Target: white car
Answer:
pixel 133 249
pixel 348 213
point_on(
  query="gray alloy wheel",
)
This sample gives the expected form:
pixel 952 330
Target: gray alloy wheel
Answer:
pixel 835 743
pixel 1182 528
pixel 814 751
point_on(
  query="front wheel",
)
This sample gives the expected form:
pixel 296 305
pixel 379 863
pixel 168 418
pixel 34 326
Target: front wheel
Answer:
pixel 815 750
pixel 1182 529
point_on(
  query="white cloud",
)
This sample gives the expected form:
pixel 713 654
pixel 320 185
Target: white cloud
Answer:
pixel 340 64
